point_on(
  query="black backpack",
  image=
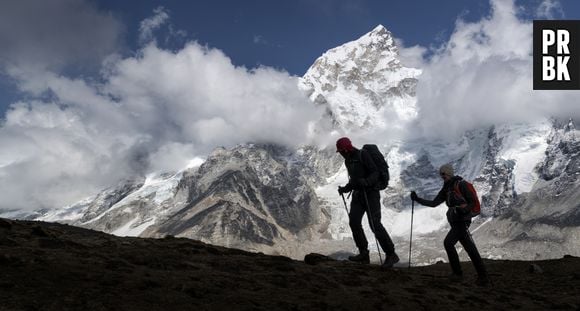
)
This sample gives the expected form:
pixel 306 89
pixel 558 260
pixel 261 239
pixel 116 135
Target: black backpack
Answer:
pixel 380 163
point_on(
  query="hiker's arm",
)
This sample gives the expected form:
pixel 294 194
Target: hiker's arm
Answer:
pixel 370 166
pixel 440 198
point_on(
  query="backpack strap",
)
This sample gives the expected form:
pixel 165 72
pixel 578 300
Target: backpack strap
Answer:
pixel 457 189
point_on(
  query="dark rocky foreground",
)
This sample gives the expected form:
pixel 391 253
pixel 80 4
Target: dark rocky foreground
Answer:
pixel 47 266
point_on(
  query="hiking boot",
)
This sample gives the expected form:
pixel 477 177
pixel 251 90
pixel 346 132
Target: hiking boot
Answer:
pixel 363 257
pixel 455 278
pixel 482 281
pixel 390 261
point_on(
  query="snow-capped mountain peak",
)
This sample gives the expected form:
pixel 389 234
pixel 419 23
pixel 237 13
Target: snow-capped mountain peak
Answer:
pixel 363 82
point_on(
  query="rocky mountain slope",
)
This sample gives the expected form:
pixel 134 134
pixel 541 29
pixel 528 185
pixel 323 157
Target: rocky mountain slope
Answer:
pixel 48 266
pixel 253 197
pixel 545 221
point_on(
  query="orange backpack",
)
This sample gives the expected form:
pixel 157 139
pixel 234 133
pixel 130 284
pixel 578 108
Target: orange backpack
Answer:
pixel 476 210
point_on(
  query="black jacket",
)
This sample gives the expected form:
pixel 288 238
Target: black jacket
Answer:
pixel 447 194
pixel 362 171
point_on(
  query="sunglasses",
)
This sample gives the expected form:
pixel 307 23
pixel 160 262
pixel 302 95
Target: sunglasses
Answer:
pixel 442 174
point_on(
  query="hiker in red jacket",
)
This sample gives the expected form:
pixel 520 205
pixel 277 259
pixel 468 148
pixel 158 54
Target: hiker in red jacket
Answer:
pixel 459 217
pixel 363 182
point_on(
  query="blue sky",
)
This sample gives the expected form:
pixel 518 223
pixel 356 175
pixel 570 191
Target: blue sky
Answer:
pixel 92 92
pixel 287 35
pixel 291 34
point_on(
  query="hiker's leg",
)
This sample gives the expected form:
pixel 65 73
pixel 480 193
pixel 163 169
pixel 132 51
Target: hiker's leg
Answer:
pixel 469 245
pixel 374 216
pixel 357 210
pixel 449 243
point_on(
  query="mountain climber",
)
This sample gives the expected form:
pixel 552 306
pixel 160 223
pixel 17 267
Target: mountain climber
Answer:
pixel 363 179
pixel 459 217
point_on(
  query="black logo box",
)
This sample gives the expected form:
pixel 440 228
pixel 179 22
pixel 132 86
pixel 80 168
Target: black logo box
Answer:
pixel 573 27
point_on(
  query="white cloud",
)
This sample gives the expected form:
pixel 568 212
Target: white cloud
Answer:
pixel 52 157
pixel 153 112
pixel 149 25
pixel 483 76
pixel 260 40
pixel 550 9
pixel 411 56
pixel 53 34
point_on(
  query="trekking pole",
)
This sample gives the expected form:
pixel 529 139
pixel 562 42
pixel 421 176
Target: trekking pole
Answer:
pixel 372 225
pixel 343 200
pixel 411 238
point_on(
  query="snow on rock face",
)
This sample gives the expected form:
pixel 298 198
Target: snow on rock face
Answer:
pixel 545 222
pixel 563 151
pixel 500 161
pixel 526 146
pixel 362 81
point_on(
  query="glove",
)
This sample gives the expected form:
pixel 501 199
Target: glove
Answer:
pixel 414 196
pixel 342 190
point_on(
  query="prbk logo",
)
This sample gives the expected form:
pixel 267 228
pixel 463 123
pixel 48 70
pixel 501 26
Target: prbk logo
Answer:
pixel 556 55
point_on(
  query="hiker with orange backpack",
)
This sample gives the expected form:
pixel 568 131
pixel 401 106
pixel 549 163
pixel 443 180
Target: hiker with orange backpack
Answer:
pixel 461 198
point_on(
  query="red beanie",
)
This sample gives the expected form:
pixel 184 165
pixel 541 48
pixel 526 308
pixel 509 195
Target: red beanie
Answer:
pixel 344 144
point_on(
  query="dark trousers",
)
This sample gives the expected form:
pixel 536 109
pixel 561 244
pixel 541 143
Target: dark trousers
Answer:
pixel 460 233
pixel 358 207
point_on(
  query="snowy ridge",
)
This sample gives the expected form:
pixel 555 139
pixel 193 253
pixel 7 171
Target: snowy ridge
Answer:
pixel 363 81
pixel 526 146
